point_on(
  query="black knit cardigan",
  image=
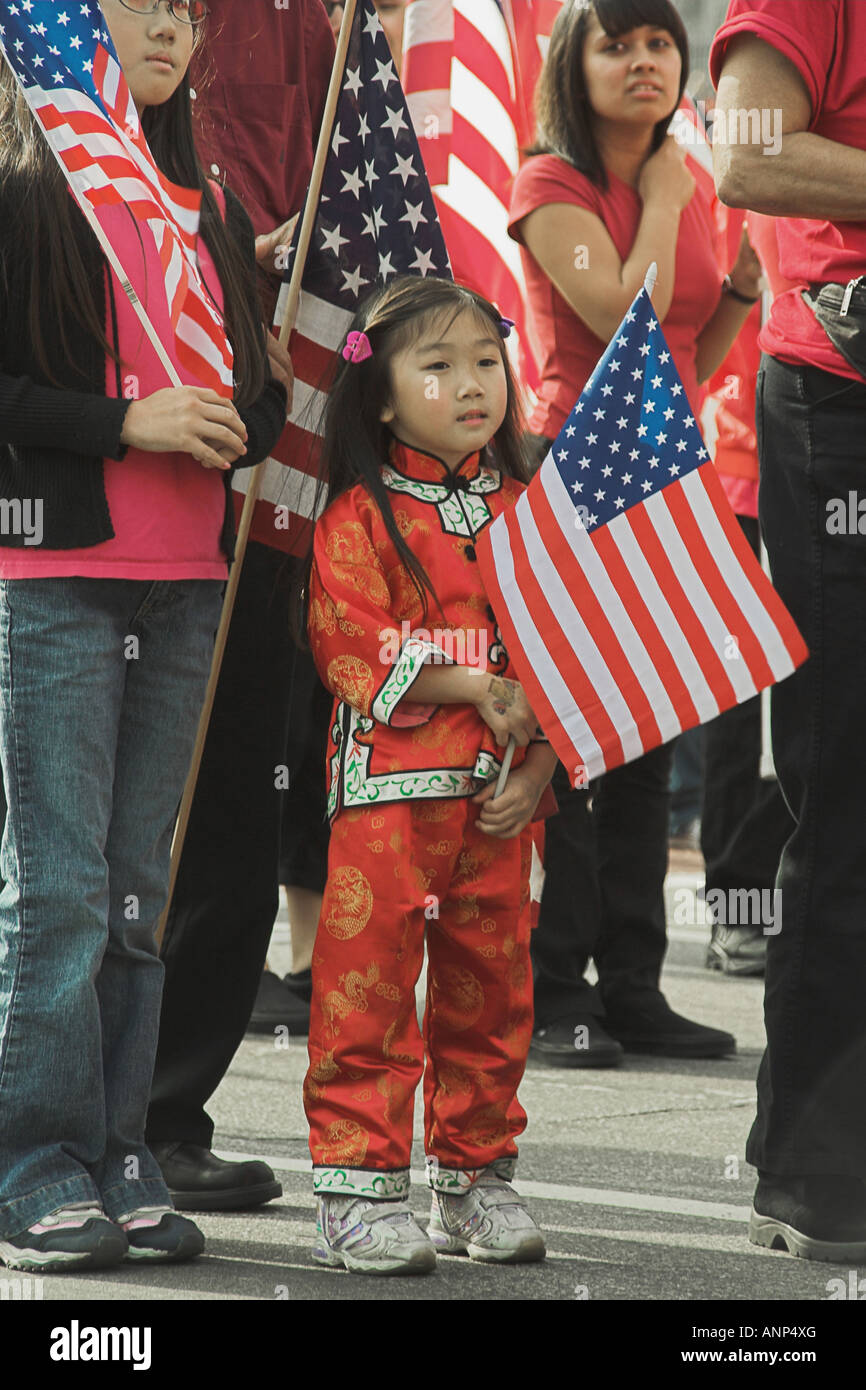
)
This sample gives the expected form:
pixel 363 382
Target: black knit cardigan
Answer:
pixel 53 441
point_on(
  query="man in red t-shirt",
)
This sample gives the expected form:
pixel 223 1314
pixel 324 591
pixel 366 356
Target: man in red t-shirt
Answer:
pixel 262 80
pixel 791 141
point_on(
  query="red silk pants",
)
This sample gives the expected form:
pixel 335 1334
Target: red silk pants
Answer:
pixel 394 871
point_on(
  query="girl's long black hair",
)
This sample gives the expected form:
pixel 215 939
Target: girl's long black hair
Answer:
pixel 356 443
pixel 50 230
pixel 564 117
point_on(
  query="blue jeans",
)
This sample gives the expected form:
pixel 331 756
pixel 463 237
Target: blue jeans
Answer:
pixel 101 686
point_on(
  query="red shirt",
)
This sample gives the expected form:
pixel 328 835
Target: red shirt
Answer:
pixel 826 42
pixel 260 101
pixel 568 349
pixel 166 510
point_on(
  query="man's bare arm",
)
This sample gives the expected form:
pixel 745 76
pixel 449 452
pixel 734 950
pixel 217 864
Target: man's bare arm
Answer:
pixel 810 176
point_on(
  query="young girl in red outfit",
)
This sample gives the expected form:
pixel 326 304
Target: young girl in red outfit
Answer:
pixel 425 701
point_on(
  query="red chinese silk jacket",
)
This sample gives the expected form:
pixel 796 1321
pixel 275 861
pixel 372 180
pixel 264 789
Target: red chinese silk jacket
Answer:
pixel 370 640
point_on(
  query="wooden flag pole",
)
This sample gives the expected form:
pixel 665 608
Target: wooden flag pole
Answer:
pixel 291 310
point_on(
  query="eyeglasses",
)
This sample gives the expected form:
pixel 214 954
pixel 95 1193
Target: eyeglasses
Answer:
pixel 187 11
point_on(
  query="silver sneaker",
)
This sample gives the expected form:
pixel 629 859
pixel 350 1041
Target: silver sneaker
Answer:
pixel 490 1222
pixel 370 1237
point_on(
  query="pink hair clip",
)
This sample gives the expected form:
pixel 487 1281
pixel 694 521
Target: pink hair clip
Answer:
pixel 357 347
pixel 505 326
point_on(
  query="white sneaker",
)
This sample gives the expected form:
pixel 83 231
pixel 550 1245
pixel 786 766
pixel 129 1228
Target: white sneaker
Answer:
pixel 370 1237
pixel 490 1222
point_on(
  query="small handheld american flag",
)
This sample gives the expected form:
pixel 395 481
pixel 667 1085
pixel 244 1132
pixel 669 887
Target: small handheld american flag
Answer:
pixel 69 73
pixel 628 598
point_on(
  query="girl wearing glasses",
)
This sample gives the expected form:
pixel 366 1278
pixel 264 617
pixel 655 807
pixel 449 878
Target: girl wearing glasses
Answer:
pixel 107 614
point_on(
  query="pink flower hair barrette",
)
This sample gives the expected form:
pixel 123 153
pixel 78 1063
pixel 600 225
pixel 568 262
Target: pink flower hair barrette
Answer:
pixel 357 347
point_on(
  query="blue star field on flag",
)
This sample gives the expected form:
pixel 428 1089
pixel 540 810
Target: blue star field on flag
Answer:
pixel 632 431
pixel 376 216
pixel 52 43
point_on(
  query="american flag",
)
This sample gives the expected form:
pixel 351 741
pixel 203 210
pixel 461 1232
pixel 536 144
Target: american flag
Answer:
pixel 469 73
pixel 67 67
pixel 628 597
pixel 375 219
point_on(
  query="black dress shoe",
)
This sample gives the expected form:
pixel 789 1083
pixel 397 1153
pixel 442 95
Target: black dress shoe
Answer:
pixel 646 1023
pixel 199 1181
pixel 279 1004
pixel 819 1217
pixel 576 1041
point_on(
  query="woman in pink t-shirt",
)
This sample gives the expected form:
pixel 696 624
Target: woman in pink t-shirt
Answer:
pixel 115 535
pixel 605 193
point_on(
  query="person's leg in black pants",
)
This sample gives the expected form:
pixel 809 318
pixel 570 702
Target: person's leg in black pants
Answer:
pixel 303 861
pixel 631 817
pixel 744 824
pixel 809 1138
pixel 225 898
pixel 568 1010
pixel 604 896
pixel 305 830
pixel 630 811
pixel 605 864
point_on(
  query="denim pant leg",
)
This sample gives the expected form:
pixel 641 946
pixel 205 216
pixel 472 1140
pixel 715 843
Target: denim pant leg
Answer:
pixel 811 1117
pixel 69 990
pixel 60 700
pixel 165 689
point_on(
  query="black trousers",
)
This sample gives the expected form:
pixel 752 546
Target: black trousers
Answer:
pixel 226 895
pixel 811 1116
pixel 304 832
pixel 605 862
pixel 744 819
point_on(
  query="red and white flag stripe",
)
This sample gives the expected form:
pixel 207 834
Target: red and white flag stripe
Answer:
pixel 289 497
pixel 109 165
pixel 463 90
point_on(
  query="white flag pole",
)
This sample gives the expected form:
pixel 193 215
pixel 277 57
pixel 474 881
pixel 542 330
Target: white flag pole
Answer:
pixel 505 768
pixel 652 275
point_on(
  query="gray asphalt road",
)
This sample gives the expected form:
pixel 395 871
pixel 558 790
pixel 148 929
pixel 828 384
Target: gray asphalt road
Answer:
pixel 635 1174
